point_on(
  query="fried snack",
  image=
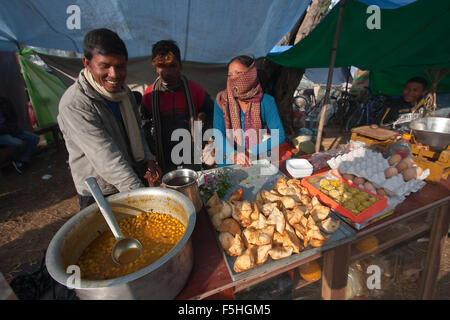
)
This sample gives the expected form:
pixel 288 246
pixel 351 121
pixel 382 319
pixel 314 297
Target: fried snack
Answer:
pixel 279 252
pixel 314 202
pixel 215 209
pixel 319 212
pixel 233 245
pixel 259 237
pixel 306 200
pixel 294 215
pixel 237 195
pixel 235 213
pixel 268 207
pixel 277 218
pixel 315 243
pixel 241 211
pixel 237 246
pixel 259 200
pixel 300 232
pixel 261 223
pixel 269 196
pixel 262 253
pixel 329 225
pixel 254 216
pixel 278 239
pixel 229 225
pixel 288 202
pixel 246 261
pixel 315 234
pixel 281 186
pixel 226 239
pixel 291 239
pixel 213 201
pixel 222 214
pixel 245 211
pixel 304 221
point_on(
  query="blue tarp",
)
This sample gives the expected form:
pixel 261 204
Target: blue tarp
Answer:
pixel 206 31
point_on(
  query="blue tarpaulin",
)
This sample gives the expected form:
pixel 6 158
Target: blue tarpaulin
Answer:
pixel 206 31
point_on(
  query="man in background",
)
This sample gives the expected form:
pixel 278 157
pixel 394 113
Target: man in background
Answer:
pixel 22 142
pixel 173 102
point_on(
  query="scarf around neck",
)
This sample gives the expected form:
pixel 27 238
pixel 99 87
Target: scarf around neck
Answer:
pixel 159 87
pixel 245 87
pixel 128 115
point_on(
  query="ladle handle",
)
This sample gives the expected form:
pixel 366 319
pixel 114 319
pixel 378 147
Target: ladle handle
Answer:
pixel 104 207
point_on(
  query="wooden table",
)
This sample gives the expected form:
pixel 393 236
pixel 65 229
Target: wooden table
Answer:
pixel 210 277
pixel 431 199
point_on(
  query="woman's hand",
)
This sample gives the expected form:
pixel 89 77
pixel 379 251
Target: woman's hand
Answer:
pixel 153 173
pixel 241 159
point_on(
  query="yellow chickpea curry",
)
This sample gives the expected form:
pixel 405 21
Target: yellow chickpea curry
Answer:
pixel 157 232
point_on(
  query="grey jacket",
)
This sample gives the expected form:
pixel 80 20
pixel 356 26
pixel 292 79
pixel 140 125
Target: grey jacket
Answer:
pixel 97 143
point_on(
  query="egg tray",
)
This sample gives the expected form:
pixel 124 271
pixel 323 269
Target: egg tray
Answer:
pixel 371 165
pixel 312 184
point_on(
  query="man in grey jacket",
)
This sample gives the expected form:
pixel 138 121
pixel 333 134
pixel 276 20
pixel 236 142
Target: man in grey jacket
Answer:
pixel 98 117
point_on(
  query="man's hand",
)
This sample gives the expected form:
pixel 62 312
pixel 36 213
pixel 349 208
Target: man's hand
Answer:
pixel 153 173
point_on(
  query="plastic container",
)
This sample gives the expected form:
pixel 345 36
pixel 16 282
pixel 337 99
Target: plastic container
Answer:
pixel 299 168
pixel 361 217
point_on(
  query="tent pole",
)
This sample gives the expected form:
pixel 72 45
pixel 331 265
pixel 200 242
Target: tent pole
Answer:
pixel 330 76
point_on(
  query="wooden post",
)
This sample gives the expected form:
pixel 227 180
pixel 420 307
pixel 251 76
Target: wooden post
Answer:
pixel 335 272
pixel 330 76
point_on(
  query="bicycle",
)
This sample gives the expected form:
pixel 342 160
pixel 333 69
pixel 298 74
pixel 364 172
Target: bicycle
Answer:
pixel 307 104
pixel 366 112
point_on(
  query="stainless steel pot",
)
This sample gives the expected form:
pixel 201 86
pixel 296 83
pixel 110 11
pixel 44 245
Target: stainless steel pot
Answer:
pixel 432 131
pixel 163 279
pixel 185 181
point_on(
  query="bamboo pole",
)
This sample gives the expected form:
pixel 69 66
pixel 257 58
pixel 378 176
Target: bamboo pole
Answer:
pixel 330 75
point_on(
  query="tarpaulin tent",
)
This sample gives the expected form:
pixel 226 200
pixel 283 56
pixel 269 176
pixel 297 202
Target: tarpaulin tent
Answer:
pixel 206 31
pixel 209 33
pixel 411 39
pixel 45 91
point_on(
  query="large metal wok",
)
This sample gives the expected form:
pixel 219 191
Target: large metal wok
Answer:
pixel 432 131
pixel 162 279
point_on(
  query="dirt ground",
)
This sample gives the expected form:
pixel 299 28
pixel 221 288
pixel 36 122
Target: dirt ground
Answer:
pixel 33 209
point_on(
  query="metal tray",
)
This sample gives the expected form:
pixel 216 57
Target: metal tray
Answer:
pixel 251 181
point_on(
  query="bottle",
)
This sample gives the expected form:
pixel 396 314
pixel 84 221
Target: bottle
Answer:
pixel 402 146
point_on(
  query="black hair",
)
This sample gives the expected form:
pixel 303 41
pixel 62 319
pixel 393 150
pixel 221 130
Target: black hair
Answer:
pixel 245 60
pixel 163 47
pixel 420 80
pixel 104 42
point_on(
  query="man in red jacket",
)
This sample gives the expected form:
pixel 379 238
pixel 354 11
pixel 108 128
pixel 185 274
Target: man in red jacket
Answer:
pixel 173 102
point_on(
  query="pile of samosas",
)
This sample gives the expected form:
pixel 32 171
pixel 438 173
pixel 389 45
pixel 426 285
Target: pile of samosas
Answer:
pixel 280 222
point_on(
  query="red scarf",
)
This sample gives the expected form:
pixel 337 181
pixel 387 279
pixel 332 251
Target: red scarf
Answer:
pixel 245 87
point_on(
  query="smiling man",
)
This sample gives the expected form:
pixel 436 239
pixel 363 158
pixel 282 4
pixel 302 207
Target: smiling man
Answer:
pixel 98 117
pixel 412 100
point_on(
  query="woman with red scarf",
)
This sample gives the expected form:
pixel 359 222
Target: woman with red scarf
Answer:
pixel 247 118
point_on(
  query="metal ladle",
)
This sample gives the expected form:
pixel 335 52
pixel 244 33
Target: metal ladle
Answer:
pixel 125 250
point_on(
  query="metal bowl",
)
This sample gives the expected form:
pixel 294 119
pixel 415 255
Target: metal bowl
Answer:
pixel 163 279
pixel 432 131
